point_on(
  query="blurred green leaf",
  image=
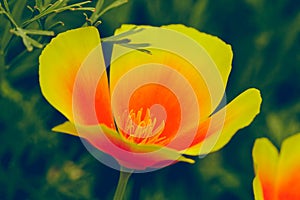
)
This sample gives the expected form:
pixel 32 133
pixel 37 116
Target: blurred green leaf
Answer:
pixel 99 5
pixel 5 3
pixel 94 19
pixel 115 4
pixel 57 7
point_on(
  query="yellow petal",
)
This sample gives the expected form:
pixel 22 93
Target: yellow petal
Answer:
pixel 257 189
pixel 221 126
pixel 265 158
pixel 220 52
pixel 60 62
pixel 288 168
pixel 174 51
pixel 277 176
pixel 66 127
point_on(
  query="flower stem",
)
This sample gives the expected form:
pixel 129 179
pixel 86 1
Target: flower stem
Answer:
pixel 123 180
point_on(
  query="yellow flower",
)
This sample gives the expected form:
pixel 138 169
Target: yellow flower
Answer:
pixel 277 174
pixel 154 108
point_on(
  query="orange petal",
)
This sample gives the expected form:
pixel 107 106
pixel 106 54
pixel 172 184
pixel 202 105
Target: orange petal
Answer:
pixel 288 169
pixel 162 103
pixel 129 155
pixel 217 131
pixel 167 94
pixel 265 157
pixel 91 98
pixel 60 62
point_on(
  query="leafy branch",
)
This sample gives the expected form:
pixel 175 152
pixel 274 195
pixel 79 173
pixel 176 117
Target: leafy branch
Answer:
pixel 43 10
pixel 121 40
pixel 28 41
pixel 94 19
pixel 57 7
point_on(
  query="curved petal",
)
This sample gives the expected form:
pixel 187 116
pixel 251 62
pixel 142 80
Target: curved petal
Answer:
pixel 219 51
pixel 91 98
pixel 169 96
pixel 217 131
pixel 257 189
pixel 168 109
pixel 178 52
pixel 129 155
pixel 60 63
pixel 288 168
pixel 265 157
pixel 66 127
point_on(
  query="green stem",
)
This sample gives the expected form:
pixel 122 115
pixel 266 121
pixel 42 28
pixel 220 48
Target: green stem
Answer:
pixel 58 7
pixel 8 14
pixel 123 180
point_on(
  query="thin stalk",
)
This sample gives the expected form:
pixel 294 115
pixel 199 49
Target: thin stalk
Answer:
pixel 123 180
pixel 8 14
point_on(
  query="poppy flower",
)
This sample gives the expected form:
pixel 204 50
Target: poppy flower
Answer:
pixel 277 174
pixel 154 108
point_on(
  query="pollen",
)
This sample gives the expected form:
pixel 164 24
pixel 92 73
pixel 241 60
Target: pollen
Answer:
pixel 142 129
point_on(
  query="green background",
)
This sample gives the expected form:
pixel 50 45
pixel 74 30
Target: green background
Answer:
pixel 36 163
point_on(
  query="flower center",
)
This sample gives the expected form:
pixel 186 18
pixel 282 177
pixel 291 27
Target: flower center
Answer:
pixel 142 131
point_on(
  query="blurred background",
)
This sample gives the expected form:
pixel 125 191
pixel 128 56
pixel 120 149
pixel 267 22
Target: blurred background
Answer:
pixel 36 163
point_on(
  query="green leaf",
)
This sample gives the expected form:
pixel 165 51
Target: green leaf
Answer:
pixel 134 30
pixel 138 47
pixel 38 32
pixel 92 9
pixel 28 41
pixel 5 3
pixel 39 4
pixel 99 5
pixel 59 23
pixel 4 32
pixel 17 10
pixel 57 7
pixel 34 42
pixel 115 4
pixel 121 39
